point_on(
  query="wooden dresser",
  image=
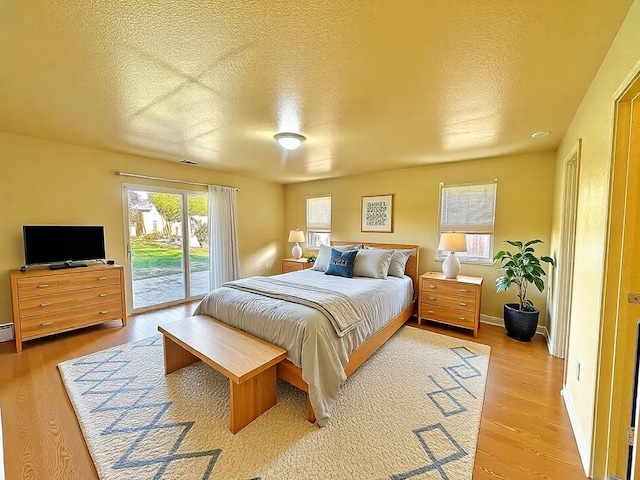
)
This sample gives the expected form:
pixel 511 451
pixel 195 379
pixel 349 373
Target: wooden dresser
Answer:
pixel 52 301
pixel 454 301
pixel 293 264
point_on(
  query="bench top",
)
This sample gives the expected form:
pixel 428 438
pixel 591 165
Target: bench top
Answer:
pixel 234 353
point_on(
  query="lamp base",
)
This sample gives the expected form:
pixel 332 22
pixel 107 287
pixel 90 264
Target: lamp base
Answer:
pixel 451 266
pixel 296 251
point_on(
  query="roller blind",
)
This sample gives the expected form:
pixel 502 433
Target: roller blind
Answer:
pixel 468 208
pixel 319 213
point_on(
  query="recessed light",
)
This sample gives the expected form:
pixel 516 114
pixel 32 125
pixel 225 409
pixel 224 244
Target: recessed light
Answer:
pixel 289 140
pixel 189 162
pixel 539 134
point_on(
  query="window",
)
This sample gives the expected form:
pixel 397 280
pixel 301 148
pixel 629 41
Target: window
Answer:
pixel 469 209
pixel 318 221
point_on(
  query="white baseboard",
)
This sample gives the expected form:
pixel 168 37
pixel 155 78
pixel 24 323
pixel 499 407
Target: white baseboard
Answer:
pixel 489 320
pixel 6 332
pixel 583 450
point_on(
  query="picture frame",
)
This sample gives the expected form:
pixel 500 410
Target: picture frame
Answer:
pixel 377 214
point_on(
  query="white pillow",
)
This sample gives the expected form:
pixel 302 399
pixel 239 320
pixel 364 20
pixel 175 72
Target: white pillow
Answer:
pixel 372 263
pixel 324 256
pixel 399 262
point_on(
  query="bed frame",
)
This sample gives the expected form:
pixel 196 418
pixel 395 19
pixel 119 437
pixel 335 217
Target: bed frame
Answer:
pixel 292 374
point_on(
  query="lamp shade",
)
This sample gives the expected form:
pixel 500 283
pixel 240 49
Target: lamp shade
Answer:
pixel 296 236
pixel 453 242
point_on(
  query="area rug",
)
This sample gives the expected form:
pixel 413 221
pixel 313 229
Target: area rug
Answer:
pixel 412 411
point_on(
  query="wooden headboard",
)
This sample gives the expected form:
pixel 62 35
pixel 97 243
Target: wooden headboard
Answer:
pixel 413 264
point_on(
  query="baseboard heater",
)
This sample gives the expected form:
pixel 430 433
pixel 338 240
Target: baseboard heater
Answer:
pixel 6 332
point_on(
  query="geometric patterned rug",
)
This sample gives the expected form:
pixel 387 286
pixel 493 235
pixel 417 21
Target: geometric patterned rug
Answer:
pixel 412 411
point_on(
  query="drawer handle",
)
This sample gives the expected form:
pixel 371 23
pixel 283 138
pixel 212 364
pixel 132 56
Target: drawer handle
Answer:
pixel 43 286
pixel 102 278
pixel 430 311
pixel 464 290
pixel 463 304
pixel 102 312
pixel 461 318
pixel 432 286
pixel 103 295
pixel 431 298
pixel 44 324
pixel 45 304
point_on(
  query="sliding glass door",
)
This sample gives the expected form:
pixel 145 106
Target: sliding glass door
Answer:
pixel 168 255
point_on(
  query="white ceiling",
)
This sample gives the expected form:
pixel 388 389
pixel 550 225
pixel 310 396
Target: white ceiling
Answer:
pixel 372 84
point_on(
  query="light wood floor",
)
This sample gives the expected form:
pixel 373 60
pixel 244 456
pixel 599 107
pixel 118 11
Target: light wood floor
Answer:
pixel 525 431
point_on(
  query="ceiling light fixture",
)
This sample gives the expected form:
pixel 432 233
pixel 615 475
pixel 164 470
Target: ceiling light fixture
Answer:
pixel 539 134
pixel 289 140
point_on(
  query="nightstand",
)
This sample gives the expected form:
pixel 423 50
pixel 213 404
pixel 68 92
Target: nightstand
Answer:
pixel 454 301
pixel 293 264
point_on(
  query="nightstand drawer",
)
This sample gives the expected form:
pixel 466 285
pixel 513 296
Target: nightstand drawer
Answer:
pixel 462 318
pixel 458 303
pixel 448 288
pixel 293 265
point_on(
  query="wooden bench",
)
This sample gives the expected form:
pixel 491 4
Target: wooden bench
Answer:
pixel 248 362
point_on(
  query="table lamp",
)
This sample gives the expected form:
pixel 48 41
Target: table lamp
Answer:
pixel 452 242
pixel 296 236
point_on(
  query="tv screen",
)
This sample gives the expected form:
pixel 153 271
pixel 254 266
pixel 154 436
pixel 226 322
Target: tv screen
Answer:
pixel 52 243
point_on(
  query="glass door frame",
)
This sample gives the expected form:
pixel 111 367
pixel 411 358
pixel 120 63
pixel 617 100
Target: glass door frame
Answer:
pixel 186 239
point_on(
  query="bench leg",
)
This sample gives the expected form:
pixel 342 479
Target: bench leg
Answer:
pixel 176 357
pixel 252 398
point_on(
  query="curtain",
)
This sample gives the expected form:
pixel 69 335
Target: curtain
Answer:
pixel 224 263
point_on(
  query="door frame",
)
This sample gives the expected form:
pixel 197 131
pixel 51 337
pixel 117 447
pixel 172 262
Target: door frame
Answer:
pixel 564 294
pixel 609 449
pixel 186 267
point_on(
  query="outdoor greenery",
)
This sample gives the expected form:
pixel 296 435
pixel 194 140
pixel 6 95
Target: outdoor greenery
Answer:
pixel 156 259
pixel 521 269
pixel 168 206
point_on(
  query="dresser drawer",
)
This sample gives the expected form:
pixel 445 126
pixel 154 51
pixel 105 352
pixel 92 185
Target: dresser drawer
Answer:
pixel 457 289
pixel 452 301
pixel 48 284
pixel 69 319
pixel 34 306
pixel 462 318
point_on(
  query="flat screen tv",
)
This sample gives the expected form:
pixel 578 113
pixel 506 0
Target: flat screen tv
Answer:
pixel 62 243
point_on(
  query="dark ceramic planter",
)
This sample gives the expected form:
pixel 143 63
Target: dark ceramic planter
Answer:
pixel 520 325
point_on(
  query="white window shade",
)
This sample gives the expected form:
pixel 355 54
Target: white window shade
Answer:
pixel 319 213
pixel 318 221
pixel 468 208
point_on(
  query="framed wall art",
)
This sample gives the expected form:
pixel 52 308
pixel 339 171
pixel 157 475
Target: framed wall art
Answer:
pixel 377 214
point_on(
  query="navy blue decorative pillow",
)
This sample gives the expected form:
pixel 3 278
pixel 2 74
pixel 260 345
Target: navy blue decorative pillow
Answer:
pixel 341 263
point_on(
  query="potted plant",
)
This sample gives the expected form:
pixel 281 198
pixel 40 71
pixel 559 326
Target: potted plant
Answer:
pixel 521 269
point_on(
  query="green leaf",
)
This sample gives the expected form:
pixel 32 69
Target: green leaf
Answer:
pixel 533 242
pixel 499 255
pixel 539 284
pixel 514 243
pixel 548 260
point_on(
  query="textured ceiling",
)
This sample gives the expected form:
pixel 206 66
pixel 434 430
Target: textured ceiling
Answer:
pixel 372 84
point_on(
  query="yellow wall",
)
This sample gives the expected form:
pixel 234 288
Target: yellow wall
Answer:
pixel 43 182
pixel 523 212
pixel 593 123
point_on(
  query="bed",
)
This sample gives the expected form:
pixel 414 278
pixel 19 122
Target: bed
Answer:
pixel 321 355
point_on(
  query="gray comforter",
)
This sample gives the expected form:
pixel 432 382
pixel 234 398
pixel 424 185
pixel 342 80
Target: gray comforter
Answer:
pixel 307 334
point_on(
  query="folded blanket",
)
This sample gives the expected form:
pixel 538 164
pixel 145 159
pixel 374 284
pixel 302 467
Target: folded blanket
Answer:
pixel 337 307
